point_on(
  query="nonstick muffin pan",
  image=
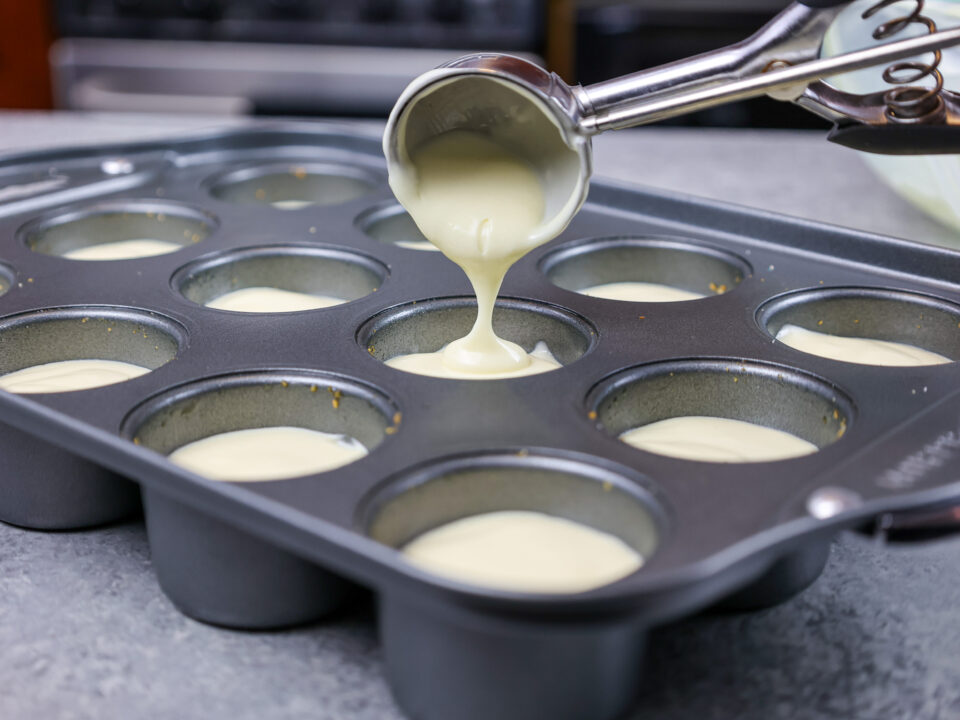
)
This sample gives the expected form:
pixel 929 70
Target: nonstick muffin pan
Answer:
pixel 272 554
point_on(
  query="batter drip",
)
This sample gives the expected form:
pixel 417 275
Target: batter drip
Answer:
pixel 483 207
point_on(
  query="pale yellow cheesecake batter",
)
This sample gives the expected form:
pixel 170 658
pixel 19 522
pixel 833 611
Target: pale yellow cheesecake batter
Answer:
pixel 67 375
pixel 640 292
pixel 424 245
pixel 123 250
pixel 271 453
pixel 483 207
pixel 269 299
pixel 541 360
pixel 864 351
pixel 292 204
pixel 525 552
pixel 714 439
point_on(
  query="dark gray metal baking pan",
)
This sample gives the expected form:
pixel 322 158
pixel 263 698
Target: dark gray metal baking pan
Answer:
pixel 269 554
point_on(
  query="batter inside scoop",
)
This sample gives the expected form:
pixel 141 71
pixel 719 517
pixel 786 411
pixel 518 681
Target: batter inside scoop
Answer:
pixel 525 552
pixel 483 207
pixel 715 439
pixel 864 351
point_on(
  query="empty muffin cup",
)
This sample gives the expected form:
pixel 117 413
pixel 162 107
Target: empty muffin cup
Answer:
pixel 771 397
pixel 471 664
pixel 392 225
pixel 45 487
pixel 293 186
pixel 428 326
pixel 869 326
pixel 280 278
pixel 211 570
pixel 642 269
pixel 119 230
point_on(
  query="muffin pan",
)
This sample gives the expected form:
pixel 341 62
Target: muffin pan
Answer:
pixel 271 554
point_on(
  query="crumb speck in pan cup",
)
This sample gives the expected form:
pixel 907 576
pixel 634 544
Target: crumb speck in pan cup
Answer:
pixel 211 570
pixel 455 660
pixel 118 230
pixel 772 396
pixel 44 487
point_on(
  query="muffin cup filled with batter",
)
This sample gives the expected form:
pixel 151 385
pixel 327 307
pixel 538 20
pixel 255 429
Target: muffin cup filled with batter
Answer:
pixel 642 269
pixel 119 230
pixel 554 336
pixel 77 350
pixel 280 278
pixel 392 225
pixel 292 186
pixel 716 410
pixel 866 326
pixel 508 522
pixel 271 426
pixel 729 411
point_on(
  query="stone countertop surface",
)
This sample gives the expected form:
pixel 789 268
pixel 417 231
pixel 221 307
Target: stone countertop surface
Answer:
pixel 86 634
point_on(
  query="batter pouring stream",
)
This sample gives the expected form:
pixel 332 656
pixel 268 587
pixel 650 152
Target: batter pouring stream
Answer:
pixel 482 206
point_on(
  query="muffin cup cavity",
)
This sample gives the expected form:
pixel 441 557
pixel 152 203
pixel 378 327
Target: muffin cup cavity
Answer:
pixel 209 569
pixel 313 400
pixel 765 394
pixel 48 488
pixel 881 314
pixel 118 221
pixel 220 575
pixel 392 225
pixel 676 263
pixel 431 675
pixel 92 332
pixel 429 325
pixel 442 492
pixel 325 271
pixel 292 186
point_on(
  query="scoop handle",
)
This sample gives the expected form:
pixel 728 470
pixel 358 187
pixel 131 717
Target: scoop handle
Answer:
pixel 787 83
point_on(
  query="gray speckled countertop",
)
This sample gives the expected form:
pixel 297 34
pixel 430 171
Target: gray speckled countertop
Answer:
pixel 86 634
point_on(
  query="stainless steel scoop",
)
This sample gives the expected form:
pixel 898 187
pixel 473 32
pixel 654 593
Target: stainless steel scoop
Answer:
pixel 550 123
